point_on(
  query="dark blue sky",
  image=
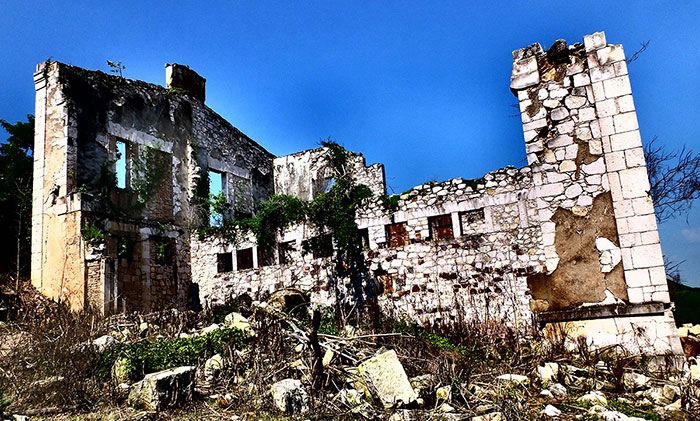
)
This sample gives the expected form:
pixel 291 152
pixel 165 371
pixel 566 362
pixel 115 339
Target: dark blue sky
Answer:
pixel 419 86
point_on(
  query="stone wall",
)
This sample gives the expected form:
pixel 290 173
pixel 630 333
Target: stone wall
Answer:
pixel 569 241
pixel 171 139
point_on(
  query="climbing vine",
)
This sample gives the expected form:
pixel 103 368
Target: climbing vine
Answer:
pixel 332 211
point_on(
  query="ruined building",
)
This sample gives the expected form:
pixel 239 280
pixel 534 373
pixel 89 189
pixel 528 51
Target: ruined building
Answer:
pixel 570 240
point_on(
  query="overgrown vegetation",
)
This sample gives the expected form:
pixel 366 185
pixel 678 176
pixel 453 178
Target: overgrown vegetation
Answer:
pixel 148 356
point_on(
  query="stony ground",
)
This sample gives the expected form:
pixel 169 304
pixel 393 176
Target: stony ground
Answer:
pixel 264 360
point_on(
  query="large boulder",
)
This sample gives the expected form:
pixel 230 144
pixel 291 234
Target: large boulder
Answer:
pixel 386 379
pixel 290 397
pixel 164 389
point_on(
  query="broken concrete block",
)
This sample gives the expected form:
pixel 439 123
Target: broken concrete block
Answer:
pixel 290 397
pixel 387 380
pixel 164 389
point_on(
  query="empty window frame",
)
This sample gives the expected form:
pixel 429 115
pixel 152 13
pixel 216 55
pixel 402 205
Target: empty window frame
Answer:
pixel 224 262
pixel 363 235
pixel 266 256
pixel 217 188
pixel 472 221
pixel 396 234
pixel 162 254
pixel 121 167
pixel 285 251
pixel 441 227
pixel 244 259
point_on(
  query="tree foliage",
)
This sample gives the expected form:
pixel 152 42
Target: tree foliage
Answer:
pixel 16 164
pixel 674 178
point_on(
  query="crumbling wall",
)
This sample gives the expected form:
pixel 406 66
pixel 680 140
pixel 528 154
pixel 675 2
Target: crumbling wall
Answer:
pixel 306 174
pixel 171 137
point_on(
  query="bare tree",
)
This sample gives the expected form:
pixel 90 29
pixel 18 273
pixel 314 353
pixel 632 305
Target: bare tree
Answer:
pixel 674 179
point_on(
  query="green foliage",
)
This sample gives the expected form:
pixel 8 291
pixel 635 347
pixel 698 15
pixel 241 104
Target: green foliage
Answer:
pixel 16 165
pixel 687 300
pixel 472 350
pixel 4 403
pixel 176 91
pixel 92 234
pixel 161 252
pixel 328 324
pixel 116 67
pixel 390 203
pixel 148 356
pixel 149 167
pixel 629 410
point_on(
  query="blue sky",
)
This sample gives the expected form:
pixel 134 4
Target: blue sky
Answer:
pixel 419 86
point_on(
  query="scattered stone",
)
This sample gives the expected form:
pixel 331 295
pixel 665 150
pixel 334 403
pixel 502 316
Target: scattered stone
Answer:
pixel 594 398
pixel 603 413
pixel 443 394
pixel 634 381
pixel 212 327
pixel 212 368
pixel 423 383
pixel 143 329
pixel 237 321
pixel 558 390
pixel 548 373
pixel 514 378
pixel 446 407
pixel 386 379
pixel 547 394
pixel 290 397
pixel 103 342
pixel 164 389
pixel 551 411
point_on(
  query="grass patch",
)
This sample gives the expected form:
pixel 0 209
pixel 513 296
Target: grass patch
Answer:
pixel 629 410
pixel 149 356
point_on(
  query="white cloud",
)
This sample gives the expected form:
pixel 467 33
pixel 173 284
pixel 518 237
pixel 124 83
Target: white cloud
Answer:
pixel 691 234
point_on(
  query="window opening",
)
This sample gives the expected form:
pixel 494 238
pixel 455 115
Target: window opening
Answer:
pixel 244 259
pixel 441 227
pixel 120 166
pixel 216 188
pixel 397 234
pixel 224 262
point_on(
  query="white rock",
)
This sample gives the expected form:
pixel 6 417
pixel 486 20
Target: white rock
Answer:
pixel 237 321
pixel 547 394
pixel 165 388
pixel 386 377
pixel 103 342
pixel 443 394
pixel 290 397
pixel 558 390
pixel 548 373
pixel 593 397
pixel 212 327
pixel 212 367
pixel 551 411
pixel 634 381
pixel 514 378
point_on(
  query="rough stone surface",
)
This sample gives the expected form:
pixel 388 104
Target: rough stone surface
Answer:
pixel 164 389
pixel 386 379
pixel 290 397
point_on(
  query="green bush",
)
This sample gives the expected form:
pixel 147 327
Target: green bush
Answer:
pixel 149 356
